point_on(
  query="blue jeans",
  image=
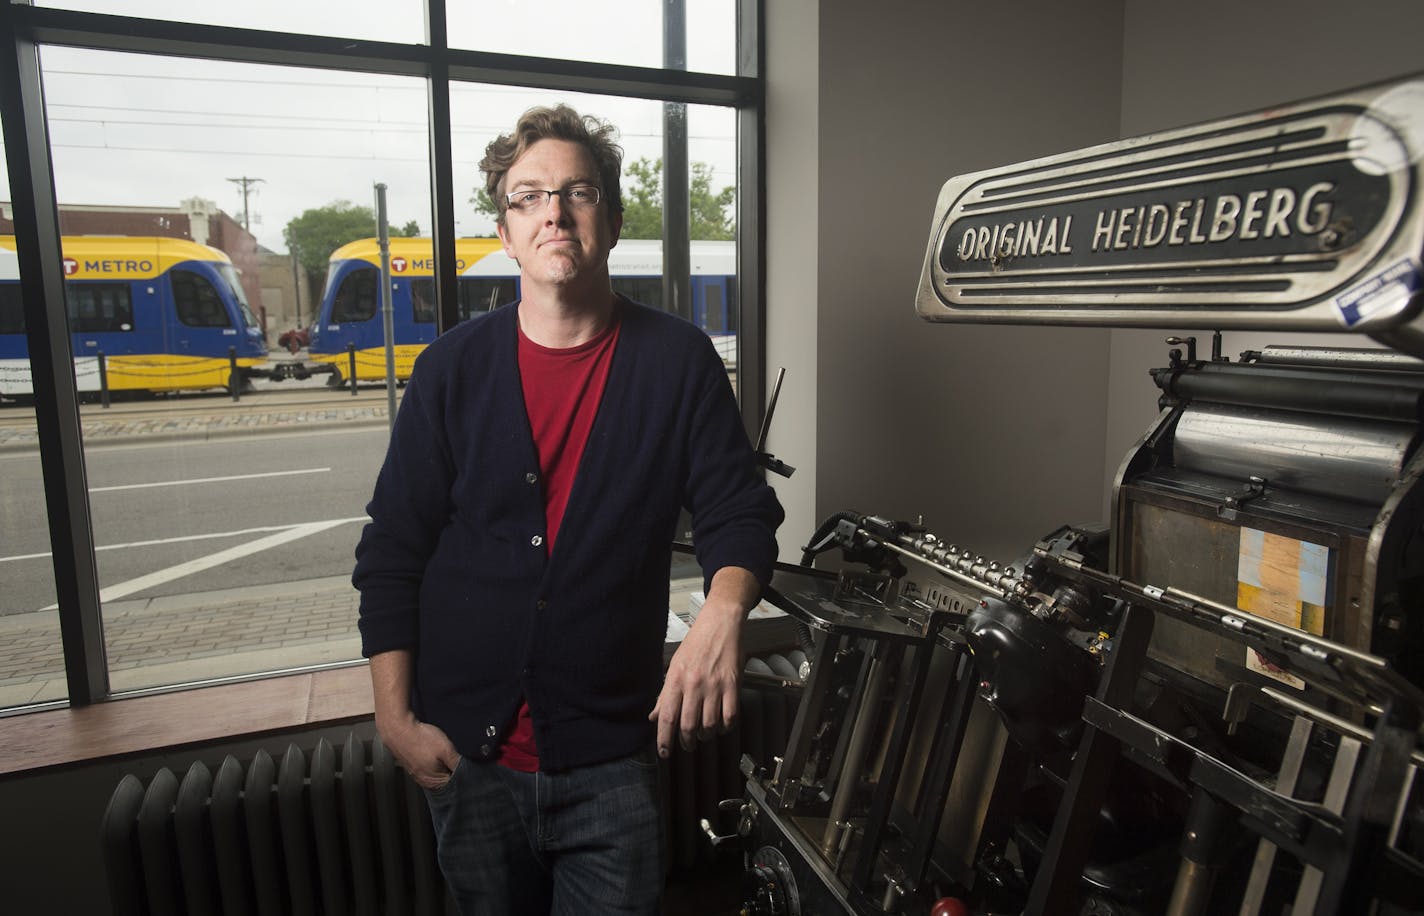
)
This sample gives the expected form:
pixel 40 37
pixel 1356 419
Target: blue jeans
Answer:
pixel 582 841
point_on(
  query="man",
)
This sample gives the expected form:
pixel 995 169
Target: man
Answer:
pixel 514 575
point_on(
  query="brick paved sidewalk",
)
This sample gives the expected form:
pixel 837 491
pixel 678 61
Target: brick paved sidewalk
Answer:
pixel 189 637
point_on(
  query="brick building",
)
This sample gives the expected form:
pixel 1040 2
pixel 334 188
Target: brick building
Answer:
pixel 196 219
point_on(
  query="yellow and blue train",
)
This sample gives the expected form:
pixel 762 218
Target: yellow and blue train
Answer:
pixel 166 314
pixel 350 307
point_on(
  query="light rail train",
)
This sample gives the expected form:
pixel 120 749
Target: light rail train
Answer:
pixel 161 314
pixel 350 306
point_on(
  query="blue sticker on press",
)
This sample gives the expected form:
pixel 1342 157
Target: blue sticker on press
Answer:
pixel 1385 293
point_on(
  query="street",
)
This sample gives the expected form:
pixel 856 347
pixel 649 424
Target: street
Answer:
pixel 224 537
pixel 242 511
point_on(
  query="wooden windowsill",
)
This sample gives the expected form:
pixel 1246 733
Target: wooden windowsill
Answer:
pixel 168 721
pixel 34 742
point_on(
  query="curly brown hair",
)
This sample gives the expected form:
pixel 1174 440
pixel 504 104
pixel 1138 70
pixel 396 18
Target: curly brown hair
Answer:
pixel 559 123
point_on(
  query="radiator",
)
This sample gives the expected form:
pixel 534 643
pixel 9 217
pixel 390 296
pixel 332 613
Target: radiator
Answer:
pixel 349 832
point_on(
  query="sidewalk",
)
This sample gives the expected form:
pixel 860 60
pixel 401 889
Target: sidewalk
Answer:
pixel 184 638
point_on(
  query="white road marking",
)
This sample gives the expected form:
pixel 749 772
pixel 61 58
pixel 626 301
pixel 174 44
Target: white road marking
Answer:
pixel 188 568
pixel 213 535
pixel 179 483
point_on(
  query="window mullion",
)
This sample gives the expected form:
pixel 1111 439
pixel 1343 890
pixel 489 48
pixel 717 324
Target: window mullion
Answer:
pixel 41 270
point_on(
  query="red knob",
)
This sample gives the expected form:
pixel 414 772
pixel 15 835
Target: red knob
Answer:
pixel 949 906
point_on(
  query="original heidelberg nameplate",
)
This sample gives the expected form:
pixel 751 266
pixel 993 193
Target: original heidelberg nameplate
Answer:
pixel 1304 217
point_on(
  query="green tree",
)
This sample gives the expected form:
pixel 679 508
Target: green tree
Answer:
pixel 314 235
pixel 711 213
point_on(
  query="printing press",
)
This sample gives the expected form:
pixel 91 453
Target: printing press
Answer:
pixel 1213 704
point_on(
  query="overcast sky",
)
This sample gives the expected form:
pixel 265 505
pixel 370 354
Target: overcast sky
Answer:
pixel 143 131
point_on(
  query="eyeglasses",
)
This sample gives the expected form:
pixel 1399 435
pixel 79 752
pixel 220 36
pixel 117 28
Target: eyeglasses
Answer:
pixel 531 200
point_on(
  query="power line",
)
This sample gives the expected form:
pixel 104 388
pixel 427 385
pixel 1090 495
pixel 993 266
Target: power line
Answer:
pixel 385 127
pixel 230 153
pixel 417 84
pixel 463 162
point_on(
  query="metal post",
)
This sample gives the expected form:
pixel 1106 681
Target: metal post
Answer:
pixel 103 379
pixel 351 359
pixel 867 720
pixel 1055 887
pixel 383 241
pixel 1209 823
pixel 234 378
pixel 751 220
pixel 297 282
pixel 442 173
pixel 677 258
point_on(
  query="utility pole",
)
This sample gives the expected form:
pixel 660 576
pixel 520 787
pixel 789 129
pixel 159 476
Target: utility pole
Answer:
pixel 296 281
pixel 246 184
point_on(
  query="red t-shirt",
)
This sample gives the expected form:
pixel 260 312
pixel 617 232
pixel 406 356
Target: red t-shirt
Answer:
pixel 562 390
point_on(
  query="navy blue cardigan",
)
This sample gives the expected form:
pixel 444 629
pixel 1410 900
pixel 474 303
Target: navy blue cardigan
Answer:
pixel 453 564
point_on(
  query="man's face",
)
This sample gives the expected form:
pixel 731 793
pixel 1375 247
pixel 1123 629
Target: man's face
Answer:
pixel 555 244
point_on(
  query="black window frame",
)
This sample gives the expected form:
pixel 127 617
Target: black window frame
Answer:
pixel 25 29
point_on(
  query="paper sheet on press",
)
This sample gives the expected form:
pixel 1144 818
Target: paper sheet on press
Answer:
pixel 1284 580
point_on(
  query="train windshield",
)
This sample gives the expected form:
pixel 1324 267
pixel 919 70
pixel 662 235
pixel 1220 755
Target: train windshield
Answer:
pixel 229 276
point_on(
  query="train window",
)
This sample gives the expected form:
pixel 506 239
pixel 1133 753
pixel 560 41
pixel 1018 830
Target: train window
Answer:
pixel 96 307
pixel 715 321
pixel 422 300
pixel 197 301
pixel 356 298
pixel 234 285
pixel 647 290
pixel 12 310
pixel 479 294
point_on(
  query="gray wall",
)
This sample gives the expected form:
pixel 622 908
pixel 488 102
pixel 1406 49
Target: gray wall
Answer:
pixel 995 435
pixel 793 203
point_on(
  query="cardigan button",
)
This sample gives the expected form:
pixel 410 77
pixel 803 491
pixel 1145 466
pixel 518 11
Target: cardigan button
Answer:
pixel 484 750
pixel 540 604
pixel 491 731
pixel 531 477
pixel 537 540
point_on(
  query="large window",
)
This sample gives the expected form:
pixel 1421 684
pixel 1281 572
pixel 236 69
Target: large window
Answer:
pixel 200 189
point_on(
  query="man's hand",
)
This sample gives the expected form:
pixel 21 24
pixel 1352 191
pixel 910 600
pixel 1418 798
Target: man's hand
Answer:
pixel 424 750
pixel 700 692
